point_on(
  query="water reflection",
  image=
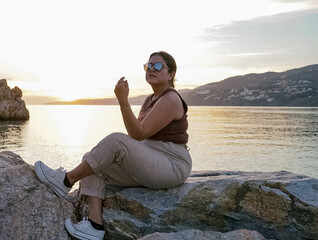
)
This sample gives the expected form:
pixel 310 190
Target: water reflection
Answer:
pixel 256 139
pixel 221 138
pixel 12 134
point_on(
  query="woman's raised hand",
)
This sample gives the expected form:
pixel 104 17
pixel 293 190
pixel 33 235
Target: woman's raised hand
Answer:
pixel 122 89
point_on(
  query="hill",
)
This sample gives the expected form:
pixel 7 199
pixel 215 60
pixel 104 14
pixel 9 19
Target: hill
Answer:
pixel 99 101
pixel 295 87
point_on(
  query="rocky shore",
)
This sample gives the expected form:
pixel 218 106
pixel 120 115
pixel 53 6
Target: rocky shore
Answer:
pixel 210 205
pixel 12 107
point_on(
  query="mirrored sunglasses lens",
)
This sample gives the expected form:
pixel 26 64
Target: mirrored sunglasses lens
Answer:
pixel 158 66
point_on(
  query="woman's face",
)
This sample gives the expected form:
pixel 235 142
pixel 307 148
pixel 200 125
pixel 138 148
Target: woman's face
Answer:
pixel 162 77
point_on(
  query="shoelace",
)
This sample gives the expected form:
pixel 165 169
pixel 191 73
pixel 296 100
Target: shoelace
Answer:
pixel 85 219
pixel 57 171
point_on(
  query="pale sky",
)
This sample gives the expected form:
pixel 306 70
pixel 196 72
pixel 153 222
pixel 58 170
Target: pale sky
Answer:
pixel 66 50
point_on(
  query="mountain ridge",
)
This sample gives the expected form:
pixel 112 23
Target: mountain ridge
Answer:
pixel 294 87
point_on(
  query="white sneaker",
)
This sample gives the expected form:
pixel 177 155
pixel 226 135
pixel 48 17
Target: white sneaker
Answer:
pixel 84 230
pixel 52 178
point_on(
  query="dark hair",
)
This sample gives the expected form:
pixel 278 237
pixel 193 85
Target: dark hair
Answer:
pixel 169 60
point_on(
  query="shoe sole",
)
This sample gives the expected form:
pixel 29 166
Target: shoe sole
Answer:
pixel 80 235
pixel 43 179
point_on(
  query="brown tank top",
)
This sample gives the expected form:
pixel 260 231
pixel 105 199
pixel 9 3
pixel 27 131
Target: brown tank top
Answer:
pixel 175 131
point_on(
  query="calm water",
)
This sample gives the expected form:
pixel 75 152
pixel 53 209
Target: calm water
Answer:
pixel 221 138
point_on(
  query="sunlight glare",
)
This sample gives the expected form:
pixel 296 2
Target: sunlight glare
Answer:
pixel 91 44
pixel 70 131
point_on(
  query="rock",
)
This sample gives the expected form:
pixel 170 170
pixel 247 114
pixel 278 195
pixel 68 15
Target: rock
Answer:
pixel 208 235
pixel 28 209
pixel 210 205
pixel 12 107
pixel 278 205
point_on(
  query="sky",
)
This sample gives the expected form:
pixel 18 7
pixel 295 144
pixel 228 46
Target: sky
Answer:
pixel 72 49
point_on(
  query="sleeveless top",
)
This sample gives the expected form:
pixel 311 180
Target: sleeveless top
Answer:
pixel 176 130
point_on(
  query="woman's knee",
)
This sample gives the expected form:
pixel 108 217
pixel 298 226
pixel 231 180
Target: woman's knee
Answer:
pixel 117 136
pixel 108 144
pixel 117 140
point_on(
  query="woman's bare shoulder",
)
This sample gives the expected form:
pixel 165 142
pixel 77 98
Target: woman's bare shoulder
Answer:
pixel 172 100
pixel 171 96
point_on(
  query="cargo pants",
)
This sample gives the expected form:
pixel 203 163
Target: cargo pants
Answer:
pixel 121 160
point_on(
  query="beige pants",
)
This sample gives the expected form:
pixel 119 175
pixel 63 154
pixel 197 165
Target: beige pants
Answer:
pixel 121 160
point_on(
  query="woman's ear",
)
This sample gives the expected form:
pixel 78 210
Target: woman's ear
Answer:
pixel 172 75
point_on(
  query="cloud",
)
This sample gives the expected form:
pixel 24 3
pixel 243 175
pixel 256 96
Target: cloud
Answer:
pixel 12 73
pixel 312 3
pixel 284 40
pixel 296 1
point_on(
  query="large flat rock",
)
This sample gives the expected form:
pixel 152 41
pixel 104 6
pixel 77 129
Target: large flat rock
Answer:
pixel 210 205
pixel 278 205
pixel 208 235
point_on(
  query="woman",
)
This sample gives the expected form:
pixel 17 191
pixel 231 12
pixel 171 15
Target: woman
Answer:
pixel 153 154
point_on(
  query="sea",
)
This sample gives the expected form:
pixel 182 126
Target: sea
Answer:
pixel 220 138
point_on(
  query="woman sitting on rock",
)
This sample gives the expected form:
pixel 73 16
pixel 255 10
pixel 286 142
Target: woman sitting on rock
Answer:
pixel 153 154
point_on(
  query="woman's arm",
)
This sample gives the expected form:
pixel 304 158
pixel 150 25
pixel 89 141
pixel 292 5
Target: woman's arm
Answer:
pixel 166 109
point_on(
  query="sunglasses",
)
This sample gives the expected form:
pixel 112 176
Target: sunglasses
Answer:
pixel 156 66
